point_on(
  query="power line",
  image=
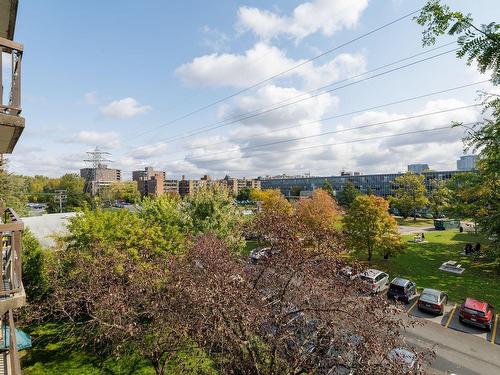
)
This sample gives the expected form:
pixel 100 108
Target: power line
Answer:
pixel 447 127
pixel 282 72
pixel 239 116
pixel 298 125
pixel 169 139
pixel 333 132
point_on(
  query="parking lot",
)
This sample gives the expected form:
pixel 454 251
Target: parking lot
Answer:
pixel 450 320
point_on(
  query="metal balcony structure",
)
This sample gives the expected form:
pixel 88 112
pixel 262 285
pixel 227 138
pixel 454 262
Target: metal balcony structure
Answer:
pixel 12 295
pixel 11 122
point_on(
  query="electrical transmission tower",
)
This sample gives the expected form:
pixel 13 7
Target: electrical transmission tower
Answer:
pixel 94 161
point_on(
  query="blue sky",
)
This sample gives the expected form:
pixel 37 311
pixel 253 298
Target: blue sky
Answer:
pixel 113 74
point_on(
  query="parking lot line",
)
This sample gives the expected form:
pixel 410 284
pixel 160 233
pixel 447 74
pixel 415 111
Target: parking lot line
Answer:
pixel 412 306
pixel 494 329
pixel 451 316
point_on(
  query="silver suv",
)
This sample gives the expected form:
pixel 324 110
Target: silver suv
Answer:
pixel 377 280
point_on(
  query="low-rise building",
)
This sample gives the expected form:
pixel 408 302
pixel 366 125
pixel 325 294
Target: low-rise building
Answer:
pixel 377 184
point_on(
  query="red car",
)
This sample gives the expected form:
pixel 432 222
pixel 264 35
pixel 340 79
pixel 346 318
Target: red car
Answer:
pixel 476 313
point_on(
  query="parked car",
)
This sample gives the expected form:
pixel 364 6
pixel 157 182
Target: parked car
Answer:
pixel 402 289
pixel 377 280
pixel 260 253
pixel 476 313
pixel 432 300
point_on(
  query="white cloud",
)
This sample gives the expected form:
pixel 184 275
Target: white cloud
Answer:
pixel 215 39
pixel 149 151
pixel 261 62
pixel 325 16
pixel 236 151
pixel 93 138
pixel 124 108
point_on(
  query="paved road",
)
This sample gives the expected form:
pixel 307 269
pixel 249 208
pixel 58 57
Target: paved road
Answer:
pixel 456 353
pixel 403 229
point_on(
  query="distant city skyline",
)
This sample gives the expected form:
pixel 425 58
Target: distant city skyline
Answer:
pixel 119 88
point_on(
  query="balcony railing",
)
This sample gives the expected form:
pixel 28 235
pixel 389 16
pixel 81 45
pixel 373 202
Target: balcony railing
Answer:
pixel 11 229
pixel 12 293
pixel 15 50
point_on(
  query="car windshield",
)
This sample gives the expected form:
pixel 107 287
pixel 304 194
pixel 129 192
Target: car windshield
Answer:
pixel 397 288
pixel 429 297
pixel 366 278
pixel 473 312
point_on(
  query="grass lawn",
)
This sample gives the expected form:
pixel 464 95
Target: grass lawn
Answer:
pixel 419 223
pixel 53 353
pixel 249 246
pixel 420 263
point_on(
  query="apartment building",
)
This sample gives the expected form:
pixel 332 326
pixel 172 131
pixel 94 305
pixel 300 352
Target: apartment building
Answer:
pixel 187 187
pixel 171 186
pixel 235 185
pixel 150 183
pixel 99 178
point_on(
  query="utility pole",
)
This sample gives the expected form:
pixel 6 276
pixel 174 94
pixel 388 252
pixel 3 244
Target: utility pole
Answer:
pixel 60 196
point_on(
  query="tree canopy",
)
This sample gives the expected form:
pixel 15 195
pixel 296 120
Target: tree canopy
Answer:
pixel 480 45
pixel 370 228
pixel 409 194
pixel 348 194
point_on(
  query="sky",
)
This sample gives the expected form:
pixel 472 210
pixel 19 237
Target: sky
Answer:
pixel 173 85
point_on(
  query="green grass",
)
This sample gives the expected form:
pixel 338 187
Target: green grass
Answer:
pixel 54 353
pixel 419 223
pixel 420 263
pixel 249 246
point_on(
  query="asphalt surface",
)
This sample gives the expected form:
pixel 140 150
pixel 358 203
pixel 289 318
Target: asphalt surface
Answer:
pixel 456 353
pixel 460 349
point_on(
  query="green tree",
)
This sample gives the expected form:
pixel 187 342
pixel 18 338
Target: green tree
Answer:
pixel 370 228
pixel 243 194
pixel 348 194
pixel 13 192
pixel 165 217
pixel 466 196
pixel 37 186
pixel 327 186
pixel 34 267
pixel 125 190
pixel 212 210
pixel 479 44
pixel 439 198
pixel 271 200
pixel 409 195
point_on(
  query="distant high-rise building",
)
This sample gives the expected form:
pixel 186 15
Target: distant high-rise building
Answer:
pixel 418 168
pixel 99 178
pixel 466 163
pixel 150 182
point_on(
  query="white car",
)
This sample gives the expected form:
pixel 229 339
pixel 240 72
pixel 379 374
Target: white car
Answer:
pixel 377 280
